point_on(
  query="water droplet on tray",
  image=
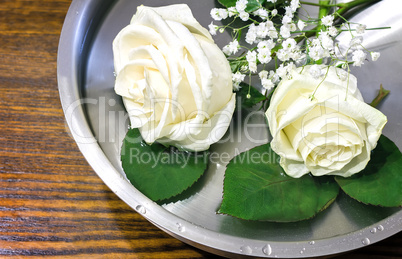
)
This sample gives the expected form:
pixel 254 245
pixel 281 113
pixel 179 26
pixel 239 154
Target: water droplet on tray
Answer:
pixel 366 241
pixel 311 242
pixel 267 250
pixel 246 250
pixel 374 230
pixel 141 209
pixel 180 227
pixel 380 228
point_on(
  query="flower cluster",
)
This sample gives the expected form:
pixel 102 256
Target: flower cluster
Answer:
pixel 279 38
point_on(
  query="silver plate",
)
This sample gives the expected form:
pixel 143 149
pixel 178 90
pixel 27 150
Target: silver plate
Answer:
pixel 98 123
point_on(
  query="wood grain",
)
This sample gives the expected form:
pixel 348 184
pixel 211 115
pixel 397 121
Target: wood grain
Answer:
pixel 51 201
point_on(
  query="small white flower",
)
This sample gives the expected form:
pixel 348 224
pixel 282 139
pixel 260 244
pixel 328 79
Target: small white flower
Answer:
pixel 232 11
pixel 266 44
pixel 264 56
pixel 251 58
pixel 326 41
pixel 237 78
pixel 289 12
pixel 219 14
pixel 213 28
pixel 374 55
pixel 301 24
pixel 332 31
pixel 244 16
pixel 294 4
pixel 263 74
pixel 327 20
pixel 272 33
pixel 274 12
pixel 356 42
pixel 262 30
pixel 358 57
pixel 285 31
pixel 316 52
pixel 231 48
pixel 251 35
pixel 241 5
pixel 361 28
pixel 289 44
pixel 272 1
pixel 342 74
pixel 267 83
pixel 316 71
pixel 286 19
pixel 283 55
pixel 274 77
pixel 262 12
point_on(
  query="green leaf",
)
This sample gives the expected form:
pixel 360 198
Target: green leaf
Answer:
pixel 255 96
pixel 380 183
pixel 256 188
pixel 157 171
pixel 252 5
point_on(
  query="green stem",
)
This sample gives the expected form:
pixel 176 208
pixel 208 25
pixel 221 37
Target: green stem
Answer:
pixel 381 95
pixel 348 6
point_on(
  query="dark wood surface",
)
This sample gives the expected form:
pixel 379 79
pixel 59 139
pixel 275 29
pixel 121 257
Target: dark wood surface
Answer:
pixel 51 201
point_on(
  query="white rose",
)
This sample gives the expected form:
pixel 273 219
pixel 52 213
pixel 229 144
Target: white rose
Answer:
pixel 175 81
pixel 330 134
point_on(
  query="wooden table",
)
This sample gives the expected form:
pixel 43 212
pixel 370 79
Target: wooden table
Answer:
pixel 51 201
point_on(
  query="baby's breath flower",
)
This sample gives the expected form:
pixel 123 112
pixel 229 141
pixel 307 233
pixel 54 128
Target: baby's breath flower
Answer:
pixel 266 44
pixel 356 42
pixel 213 28
pixel 267 83
pixel 274 12
pixel 289 44
pixel 316 71
pixel 285 31
pixel 251 35
pixel 358 57
pixel 231 48
pixel 241 5
pixel 219 14
pixel 294 4
pixel 262 12
pixel 262 30
pixel 237 78
pixel 342 74
pixel 251 58
pixel 301 24
pixel 316 52
pixel 374 55
pixel 244 16
pixel 327 20
pixel 360 29
pixel 283 55
pixel 272 1
pixel 332 31
pixel 286 19
pixel 232 11
pixel 263 74
pixel 264 56
pixel 326 41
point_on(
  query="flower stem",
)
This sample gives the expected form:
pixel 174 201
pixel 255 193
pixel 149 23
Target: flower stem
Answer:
pixel 381 95
pixel 344 7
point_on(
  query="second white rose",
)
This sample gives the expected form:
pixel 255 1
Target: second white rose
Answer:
pixel 322 125
pixel 175 81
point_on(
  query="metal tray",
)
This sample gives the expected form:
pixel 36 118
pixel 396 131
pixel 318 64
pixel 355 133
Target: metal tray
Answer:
pixel 97 121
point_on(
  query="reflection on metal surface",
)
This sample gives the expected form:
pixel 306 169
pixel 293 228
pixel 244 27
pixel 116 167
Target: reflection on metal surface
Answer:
pixel 96 115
